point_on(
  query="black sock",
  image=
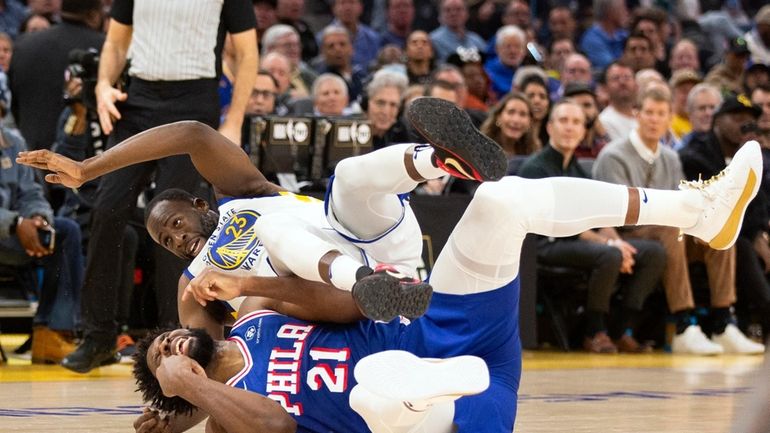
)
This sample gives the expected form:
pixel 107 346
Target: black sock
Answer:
pixel 721 318
pixel 594 323
pixel 684 319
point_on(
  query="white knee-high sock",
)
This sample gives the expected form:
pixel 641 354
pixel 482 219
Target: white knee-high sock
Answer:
pixel 669 208
pixel 364 193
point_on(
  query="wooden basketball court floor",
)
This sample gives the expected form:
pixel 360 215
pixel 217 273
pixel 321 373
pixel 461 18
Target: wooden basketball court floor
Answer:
pixel 560 392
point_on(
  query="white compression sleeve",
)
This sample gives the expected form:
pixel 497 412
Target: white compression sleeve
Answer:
pixel 483 251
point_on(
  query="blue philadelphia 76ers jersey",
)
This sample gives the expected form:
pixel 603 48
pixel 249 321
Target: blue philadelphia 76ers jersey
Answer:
pixel 307 368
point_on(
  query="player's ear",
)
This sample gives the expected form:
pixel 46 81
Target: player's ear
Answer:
pixel 200 204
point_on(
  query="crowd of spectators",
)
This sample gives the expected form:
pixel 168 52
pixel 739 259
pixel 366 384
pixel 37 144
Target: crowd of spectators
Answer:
pixel 667 90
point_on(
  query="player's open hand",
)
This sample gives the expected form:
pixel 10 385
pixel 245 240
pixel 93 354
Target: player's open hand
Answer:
pixel 175 372
pixel 212 285
pixel 63 170
pixel 150 421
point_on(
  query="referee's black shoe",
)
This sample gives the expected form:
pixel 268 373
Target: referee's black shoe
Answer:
pixel 459 148
pixel 90 354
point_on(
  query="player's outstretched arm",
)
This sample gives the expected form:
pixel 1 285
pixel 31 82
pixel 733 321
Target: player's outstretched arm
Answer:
pixel 292 296
pixel 216 158
pixel 234 410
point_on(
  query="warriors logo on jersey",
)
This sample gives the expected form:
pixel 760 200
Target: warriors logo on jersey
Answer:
pixel 236 241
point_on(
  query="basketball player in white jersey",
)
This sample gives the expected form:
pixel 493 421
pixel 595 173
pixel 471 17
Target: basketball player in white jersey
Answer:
pixel 364 222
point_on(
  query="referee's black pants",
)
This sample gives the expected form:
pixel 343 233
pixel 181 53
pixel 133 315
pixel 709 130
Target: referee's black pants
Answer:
pixel 149 104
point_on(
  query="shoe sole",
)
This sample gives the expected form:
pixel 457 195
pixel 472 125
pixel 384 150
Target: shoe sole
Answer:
pixel 383 298
pixel 450 129
pixel 732 227
pixel 402 376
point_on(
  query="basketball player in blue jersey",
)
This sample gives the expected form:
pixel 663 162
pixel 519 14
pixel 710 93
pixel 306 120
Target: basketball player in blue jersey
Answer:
pixel 268 232
pixel 458 366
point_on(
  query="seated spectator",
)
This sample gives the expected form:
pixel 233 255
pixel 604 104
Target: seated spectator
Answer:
pixel 603 42
pixel 652 22
pixel 365 41
pixel 12 13
pixel 263 95
pixel 596 136
pixel 560 25
pixel 6 51
pixel 510 124
pixel 337 58
pixel 536 91
pixel 602 253
pixel 510 48
pixel 453 15
pixel 755 75
pixel 702 102
pixel 400 17
pixel 576 69
pixel 330 95
pixel 264 11
pixel 758 38
pixel 558 52
pixel 641 161
pixel 471 64
pixel 291 12
pixel 25 219
pixel 284 39
pixel 706 155
pixel 278 68
pixel 383 103
pixel 761 98
pixel 681 84
pixel 648 76
pixel 684 55
pixel 389 55
pixel 419 57
pixel 618 118
pixel 728 75
pixel 637 52
pixel 35 23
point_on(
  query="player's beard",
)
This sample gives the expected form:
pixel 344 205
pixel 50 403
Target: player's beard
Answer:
pixel 201 347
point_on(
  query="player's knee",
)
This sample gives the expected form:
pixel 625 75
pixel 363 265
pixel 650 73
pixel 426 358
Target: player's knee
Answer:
pixel 268 228
pixel 500 197
pixel 348 174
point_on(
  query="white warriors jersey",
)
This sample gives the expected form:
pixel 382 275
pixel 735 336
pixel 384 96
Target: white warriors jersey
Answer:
pixel 234 245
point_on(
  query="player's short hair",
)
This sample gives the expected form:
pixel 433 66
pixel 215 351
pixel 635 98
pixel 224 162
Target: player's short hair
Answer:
pixel 171 194
pixel 148 384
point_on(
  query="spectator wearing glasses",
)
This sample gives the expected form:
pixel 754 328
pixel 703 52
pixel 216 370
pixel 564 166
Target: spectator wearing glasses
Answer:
pixel 702 102
pixel 383 103
pixel 575 69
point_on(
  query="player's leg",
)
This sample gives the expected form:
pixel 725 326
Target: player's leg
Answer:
pixel 475 260
pixel 363 197
pixel 314 253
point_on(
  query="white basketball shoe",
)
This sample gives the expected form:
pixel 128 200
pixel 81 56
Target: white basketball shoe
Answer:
pixel 733 341
pixel 421 382
pixel 726 197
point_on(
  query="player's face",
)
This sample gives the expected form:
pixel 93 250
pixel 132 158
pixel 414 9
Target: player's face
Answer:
pixel 193 343
pixel 182 227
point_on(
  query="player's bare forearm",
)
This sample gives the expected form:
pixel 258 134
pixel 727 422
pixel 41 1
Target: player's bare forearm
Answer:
pixel 236 410
pixel 225 166
pixel 306 300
